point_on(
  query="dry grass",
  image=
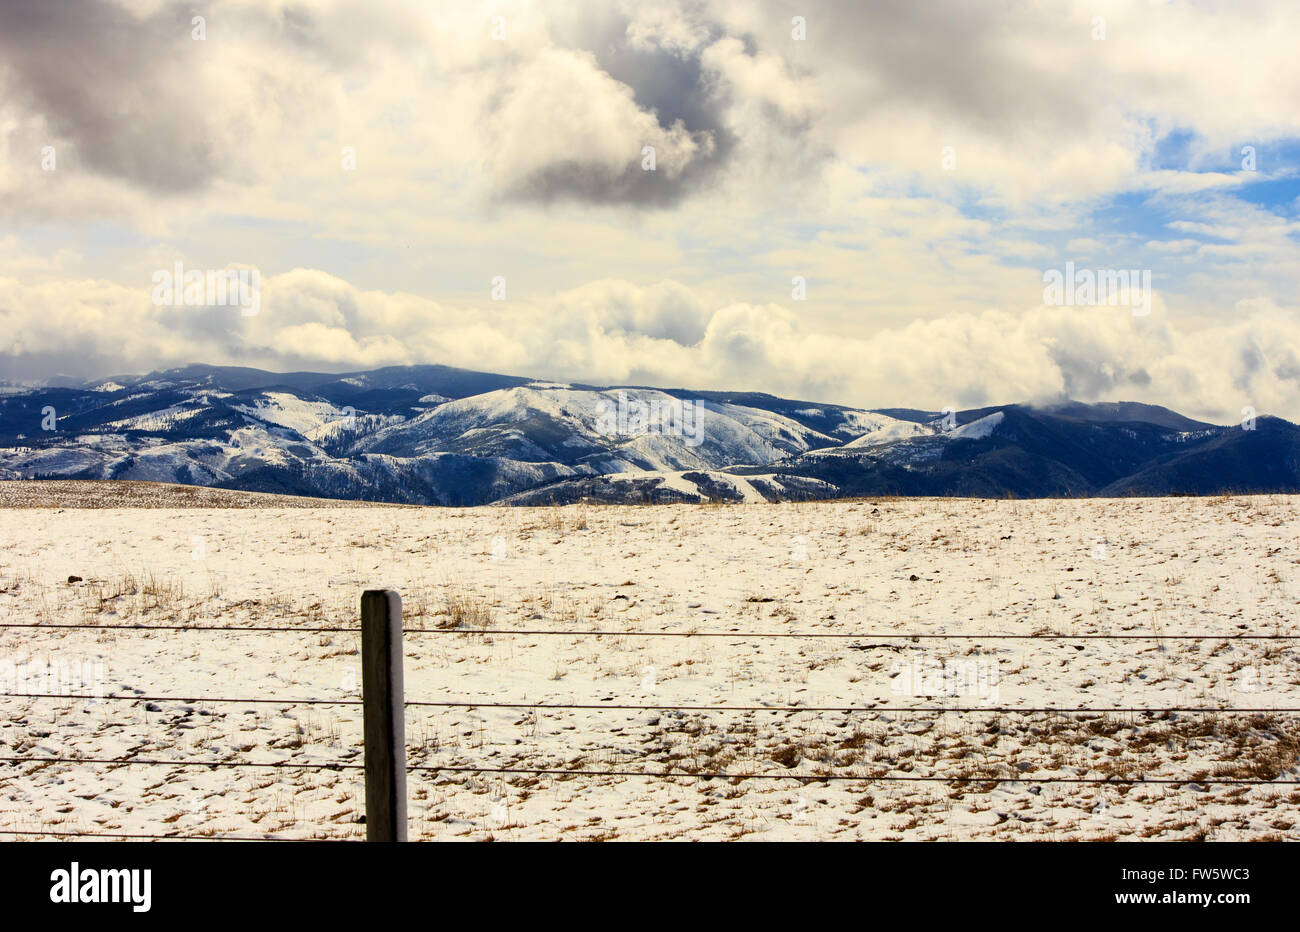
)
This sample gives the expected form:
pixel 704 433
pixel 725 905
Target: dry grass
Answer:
pixel 989 752
pixel 462 609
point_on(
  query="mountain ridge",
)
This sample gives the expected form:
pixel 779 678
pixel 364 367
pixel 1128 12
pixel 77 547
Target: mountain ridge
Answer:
pixel 449 436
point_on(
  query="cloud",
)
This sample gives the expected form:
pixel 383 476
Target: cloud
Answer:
pixel 775 157
pixel 663 311
pixel 612 331
pixel 100 78
pixel 567 129
pixel 1033 105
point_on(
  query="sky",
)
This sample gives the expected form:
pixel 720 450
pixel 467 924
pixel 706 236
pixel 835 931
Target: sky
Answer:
pixel 849 203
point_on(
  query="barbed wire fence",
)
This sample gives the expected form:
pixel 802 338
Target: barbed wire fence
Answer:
pixel 383 702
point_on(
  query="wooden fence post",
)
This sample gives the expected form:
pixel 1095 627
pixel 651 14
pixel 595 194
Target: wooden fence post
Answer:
pixel 385 726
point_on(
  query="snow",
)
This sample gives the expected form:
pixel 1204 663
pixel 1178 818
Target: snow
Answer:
pixel 543 428
pixel 748 494
pixel 669 480
pixel 744 486
pixel 728 434
pixel 979 429
pixel 287 410
pixel 876 568
pixel 889 432
pixel 9 387
pixel 857 423
pixel 161 419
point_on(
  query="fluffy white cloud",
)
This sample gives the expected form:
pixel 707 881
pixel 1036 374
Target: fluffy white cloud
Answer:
pixel 776 157
pixel 566 127
pixel 612 331
pixel 1034 106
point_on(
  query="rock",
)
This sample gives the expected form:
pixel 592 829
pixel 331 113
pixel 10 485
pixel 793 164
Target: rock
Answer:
pixel 72 579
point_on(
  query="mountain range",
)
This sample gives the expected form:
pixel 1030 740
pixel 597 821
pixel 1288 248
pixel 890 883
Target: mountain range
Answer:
pixel 446 436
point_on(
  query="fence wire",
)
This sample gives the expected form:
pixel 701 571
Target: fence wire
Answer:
pixel 959 779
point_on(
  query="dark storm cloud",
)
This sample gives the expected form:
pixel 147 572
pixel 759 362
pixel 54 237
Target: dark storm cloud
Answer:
pixel 668 82
pixel 973 62
pixel 113 86
pixel 1250 361
pixel 339 37
pixel 963 62
pixel 575 180
pixel 139 99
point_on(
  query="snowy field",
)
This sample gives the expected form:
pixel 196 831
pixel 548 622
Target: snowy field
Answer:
pixel 876 570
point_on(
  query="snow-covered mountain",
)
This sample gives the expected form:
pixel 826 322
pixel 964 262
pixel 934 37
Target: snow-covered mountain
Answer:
pixel 439 435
